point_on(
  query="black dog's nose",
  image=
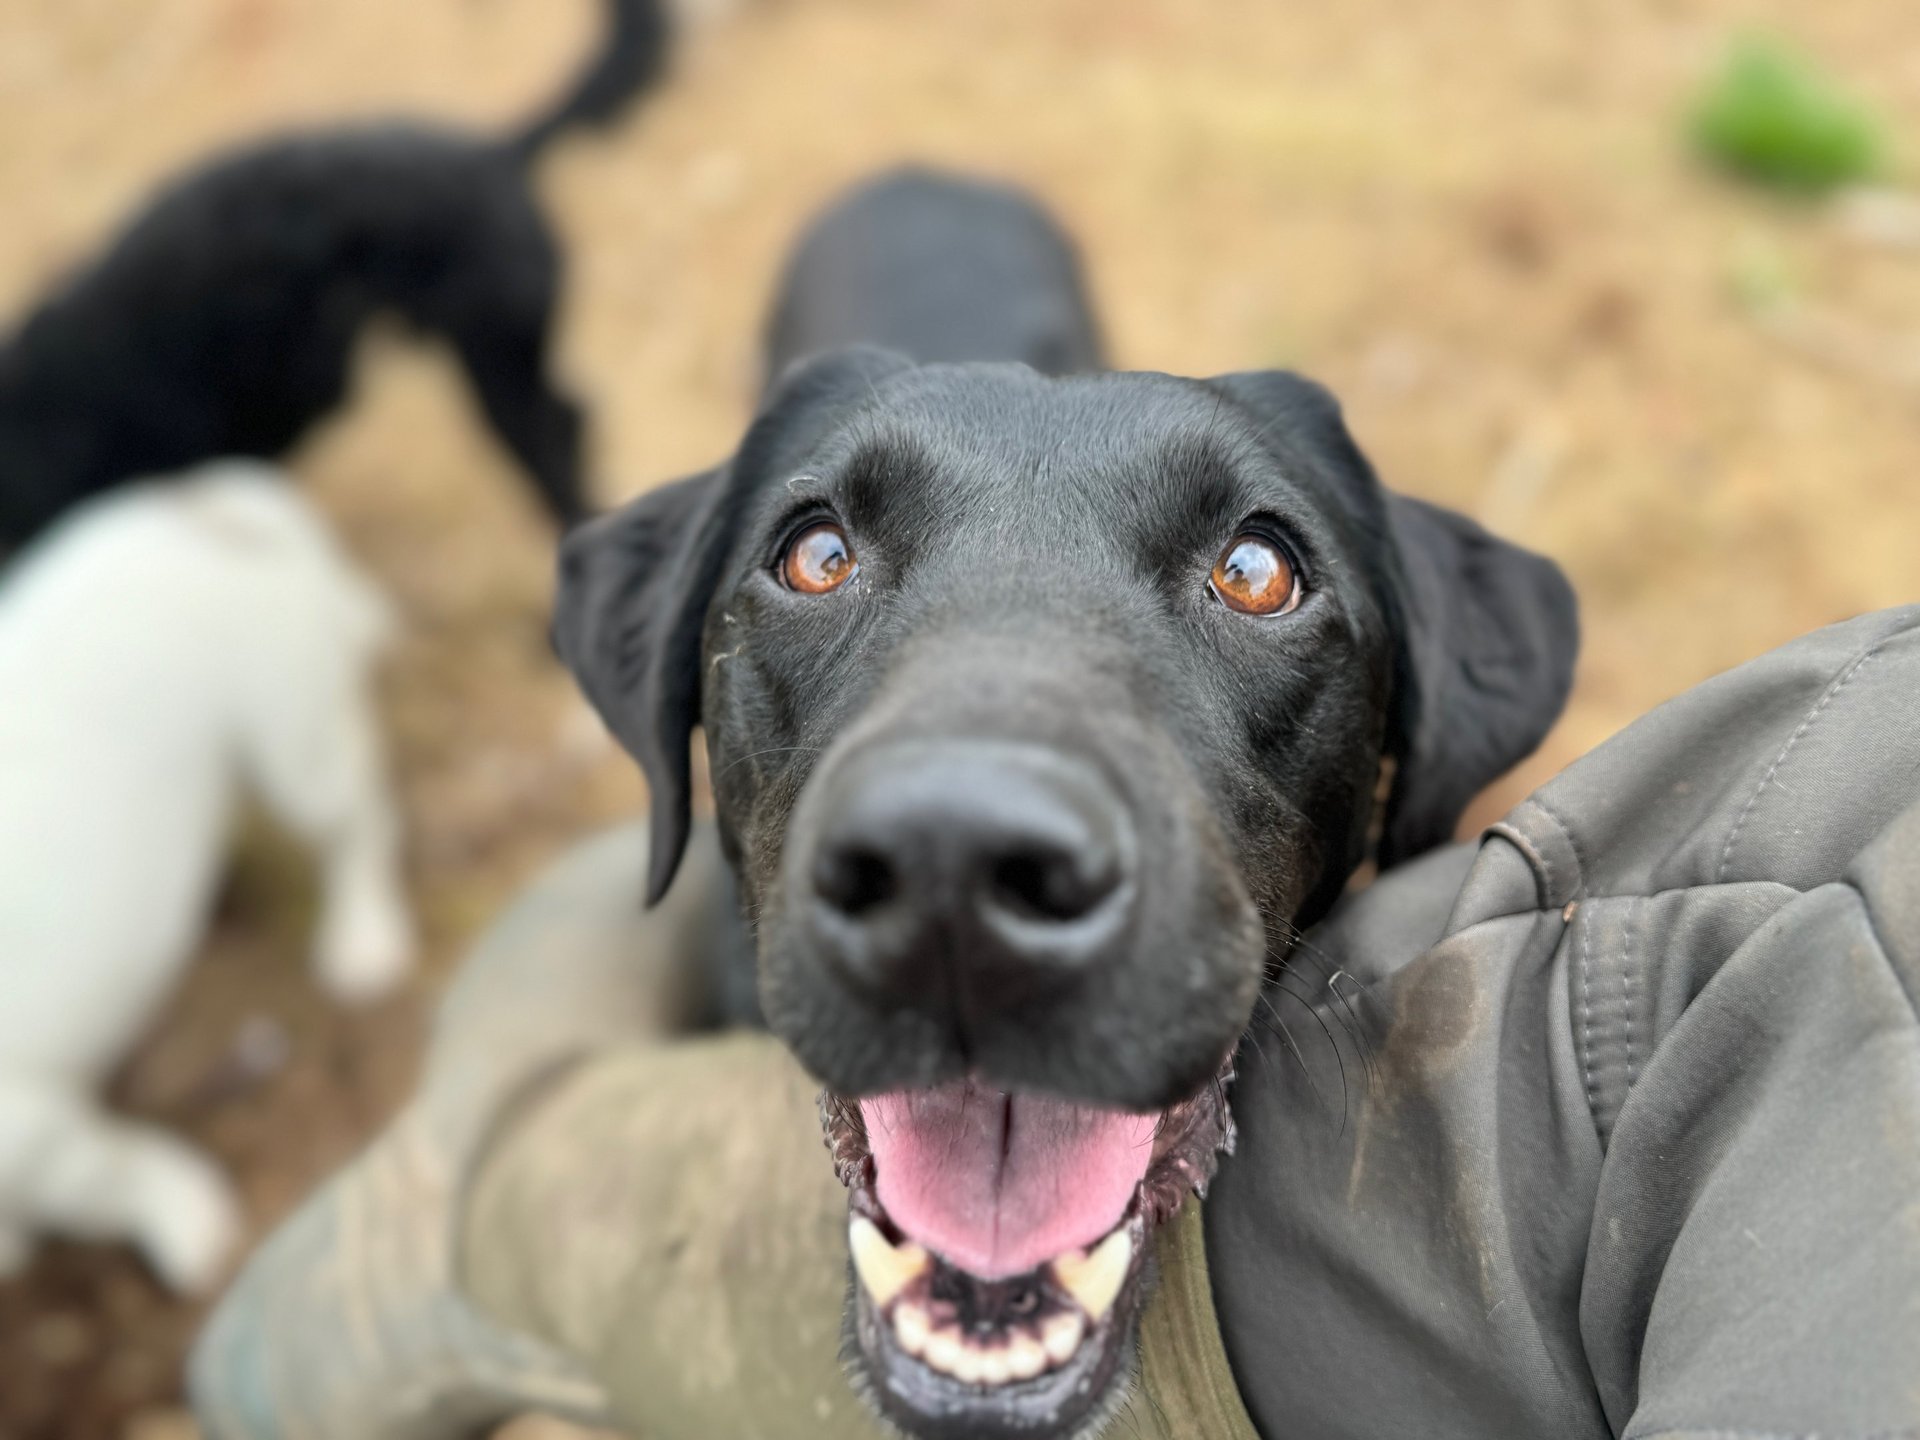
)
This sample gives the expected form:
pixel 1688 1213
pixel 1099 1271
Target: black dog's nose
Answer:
pixel 971 874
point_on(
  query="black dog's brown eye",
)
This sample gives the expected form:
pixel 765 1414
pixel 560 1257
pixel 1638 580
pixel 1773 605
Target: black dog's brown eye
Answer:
pixel 1254 576
pixel 818 559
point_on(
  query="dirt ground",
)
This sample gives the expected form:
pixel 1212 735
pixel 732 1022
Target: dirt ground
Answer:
pixel 1477 223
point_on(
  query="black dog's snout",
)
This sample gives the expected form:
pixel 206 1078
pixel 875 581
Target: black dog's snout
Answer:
pixel 977 875
pixel 982 853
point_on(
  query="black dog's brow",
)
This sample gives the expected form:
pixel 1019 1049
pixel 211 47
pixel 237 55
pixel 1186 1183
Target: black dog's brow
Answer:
pixel 882 485
pixel 881 465
pixel 880 475
pixel 873 474
pixel 1205 474
pixel 1202 488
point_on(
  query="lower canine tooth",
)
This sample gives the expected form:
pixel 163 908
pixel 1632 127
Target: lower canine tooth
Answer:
pixel 911 1327
pixel 1095 1279
pixel 1026 1357
pixel 1060 1336
pixel 883 1268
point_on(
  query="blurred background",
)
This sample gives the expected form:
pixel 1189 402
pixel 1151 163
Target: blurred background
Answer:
pixel 1513 236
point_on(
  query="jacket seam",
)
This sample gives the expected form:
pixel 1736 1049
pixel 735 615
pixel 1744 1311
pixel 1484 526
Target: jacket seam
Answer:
pixel 1631 1020
pixel 1840 682
pixel 1585 963
pixel 1536 857
pixel 1573 844
pixel 1694 888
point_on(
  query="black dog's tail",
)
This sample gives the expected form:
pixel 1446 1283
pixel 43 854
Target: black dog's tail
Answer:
pixel 630 61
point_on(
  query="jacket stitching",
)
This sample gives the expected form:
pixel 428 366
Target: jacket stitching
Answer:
pixel 1585 964
pixel 1839 683
pixel 1788 893
pixel 1573 844
pixel 1542 863
pixel 1546 867
pixel 1626 984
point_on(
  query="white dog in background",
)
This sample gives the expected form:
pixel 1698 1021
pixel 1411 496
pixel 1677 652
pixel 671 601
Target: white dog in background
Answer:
pixel 162 648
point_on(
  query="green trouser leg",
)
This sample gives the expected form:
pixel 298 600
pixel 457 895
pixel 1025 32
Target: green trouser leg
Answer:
pixel 668 1216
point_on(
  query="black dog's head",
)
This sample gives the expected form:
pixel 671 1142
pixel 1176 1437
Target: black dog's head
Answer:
pixel 1040 711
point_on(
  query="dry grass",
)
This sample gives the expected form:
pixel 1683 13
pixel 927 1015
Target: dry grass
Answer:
pixel 1477 223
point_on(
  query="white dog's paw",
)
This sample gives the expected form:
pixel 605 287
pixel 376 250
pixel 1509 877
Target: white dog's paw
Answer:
pixel 189 1221
pixel 364 952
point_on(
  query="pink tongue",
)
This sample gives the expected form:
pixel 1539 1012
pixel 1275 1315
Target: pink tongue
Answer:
pixel 999 1184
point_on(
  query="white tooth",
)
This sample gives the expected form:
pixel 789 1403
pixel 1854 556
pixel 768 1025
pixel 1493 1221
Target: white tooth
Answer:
pixel 1061 1334
pixel 970 1368
pixel 996 1366
pixel 884 1269
pixel 1094 1280
pixel 1026 1357
pixel 943 1349
pixel 911 1326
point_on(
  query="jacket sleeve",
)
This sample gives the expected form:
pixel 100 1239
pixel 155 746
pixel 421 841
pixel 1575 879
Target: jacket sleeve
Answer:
pixel 1754 1264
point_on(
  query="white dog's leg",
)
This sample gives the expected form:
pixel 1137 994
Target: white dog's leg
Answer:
pixel 364 945
pixel 323 776
pixel 67 1167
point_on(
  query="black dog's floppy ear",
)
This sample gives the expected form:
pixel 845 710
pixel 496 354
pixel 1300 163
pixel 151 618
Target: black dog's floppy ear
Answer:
pixel 1492 634
pixel 1486 632
pixel 627 619
pixel 634 588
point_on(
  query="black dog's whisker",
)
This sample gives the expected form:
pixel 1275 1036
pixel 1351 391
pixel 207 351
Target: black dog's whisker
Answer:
pixel 1364 1045
pixel 739 760
pixel 1300 948
pixel 1253 1034
pixel 1286 1038
pixel 1332 1045
pixel 1344 1016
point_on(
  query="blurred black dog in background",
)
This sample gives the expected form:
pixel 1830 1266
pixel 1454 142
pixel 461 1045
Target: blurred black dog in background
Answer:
pixel 903 261
pixel 222 322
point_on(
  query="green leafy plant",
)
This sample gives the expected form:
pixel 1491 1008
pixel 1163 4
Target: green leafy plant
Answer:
pixel 1770 116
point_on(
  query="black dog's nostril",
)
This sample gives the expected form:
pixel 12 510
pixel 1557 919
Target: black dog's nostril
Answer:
pixel 1051 886
pixel 854 880
pixel 980 875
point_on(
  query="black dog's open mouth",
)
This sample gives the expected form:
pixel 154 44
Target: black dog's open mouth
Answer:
pixel 999 1247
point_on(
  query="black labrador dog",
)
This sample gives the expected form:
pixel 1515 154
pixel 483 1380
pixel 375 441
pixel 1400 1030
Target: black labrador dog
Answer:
pixel 1042 709
pixel 222 321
